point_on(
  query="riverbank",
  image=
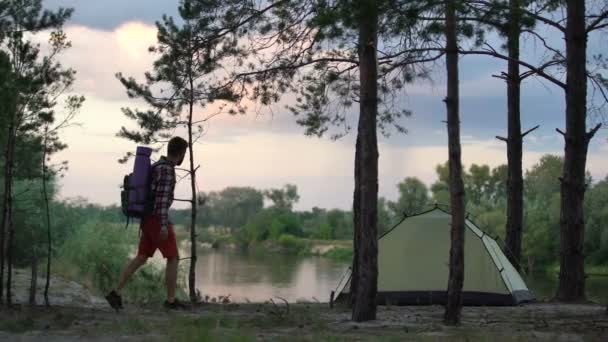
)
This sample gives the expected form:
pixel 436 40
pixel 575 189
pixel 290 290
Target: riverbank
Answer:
pixel 62 291
pixel 304 322
pixel 340 250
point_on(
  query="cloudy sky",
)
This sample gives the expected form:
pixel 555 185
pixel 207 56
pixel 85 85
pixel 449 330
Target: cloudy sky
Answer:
pixel 270 150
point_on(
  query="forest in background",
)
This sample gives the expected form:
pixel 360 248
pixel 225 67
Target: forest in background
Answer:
pixel 244 215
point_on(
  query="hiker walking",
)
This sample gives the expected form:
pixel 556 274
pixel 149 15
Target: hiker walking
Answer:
pixel 156 231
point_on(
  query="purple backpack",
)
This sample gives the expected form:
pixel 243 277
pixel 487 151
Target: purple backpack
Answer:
pixel 136 198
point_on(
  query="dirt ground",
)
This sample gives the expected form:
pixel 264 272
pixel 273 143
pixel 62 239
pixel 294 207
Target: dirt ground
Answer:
pixel 303 322
pixel 78 315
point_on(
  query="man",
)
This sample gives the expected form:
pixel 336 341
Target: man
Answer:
pixel 156 231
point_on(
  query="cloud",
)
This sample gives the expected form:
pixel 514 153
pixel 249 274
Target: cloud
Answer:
pixel 98 55
pixel 322 169
pixel 107 15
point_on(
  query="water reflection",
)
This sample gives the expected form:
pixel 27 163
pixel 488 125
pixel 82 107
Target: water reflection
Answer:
pixel 258 277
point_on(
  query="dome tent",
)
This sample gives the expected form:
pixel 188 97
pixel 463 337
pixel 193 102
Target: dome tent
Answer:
pixel 413 265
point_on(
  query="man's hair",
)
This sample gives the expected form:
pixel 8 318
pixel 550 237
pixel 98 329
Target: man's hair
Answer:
pixel 176 146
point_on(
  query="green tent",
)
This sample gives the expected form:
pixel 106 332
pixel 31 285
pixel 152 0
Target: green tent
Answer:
pixel 413 265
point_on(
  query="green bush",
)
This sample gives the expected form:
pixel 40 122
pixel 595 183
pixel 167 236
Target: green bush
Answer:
pixel 293 245
pixel 340 253
pixel 96 254
pixel 270 224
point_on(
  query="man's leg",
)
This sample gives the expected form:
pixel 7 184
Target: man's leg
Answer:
pixel 171 278
pixel 131 267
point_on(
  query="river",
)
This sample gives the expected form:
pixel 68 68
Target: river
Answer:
pixel 259 277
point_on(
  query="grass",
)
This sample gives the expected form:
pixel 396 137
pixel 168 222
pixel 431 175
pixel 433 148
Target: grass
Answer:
pixel 207 328
pixel 298 323
pixel 131 325
pixel 17 325
pixel 220 325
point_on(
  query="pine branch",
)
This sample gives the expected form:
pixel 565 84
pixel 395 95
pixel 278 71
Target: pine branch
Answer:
pixel 594 130
pixel 533 15
pixel 545 44
pixel 415 61
pixel 496 54
pixel 597 23
pixel 529 131
pixel 232 29
pixel 529 73
pixel 286 67
pixel 473 19
pixel 597 85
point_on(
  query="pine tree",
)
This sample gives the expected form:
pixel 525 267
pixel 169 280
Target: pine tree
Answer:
pixel 26 83
pixel 182 82
pixel 456 274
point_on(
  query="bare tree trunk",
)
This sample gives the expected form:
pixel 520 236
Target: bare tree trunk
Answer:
pixel 7 221
pixel 572 260
pixel 48 223
pixel 34 279
pixel 9 249
pixel 515 181
pixel 456 275
pixel 192 273
pixel 3 227
pixel 356 218
pixel 5 206
pixel 366 227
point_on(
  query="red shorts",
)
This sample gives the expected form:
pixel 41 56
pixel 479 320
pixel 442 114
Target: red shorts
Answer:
pixel 150 240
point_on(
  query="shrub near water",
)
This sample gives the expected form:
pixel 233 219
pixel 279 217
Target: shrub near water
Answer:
pixel 96 254
pixel 340 253
pixel 293 245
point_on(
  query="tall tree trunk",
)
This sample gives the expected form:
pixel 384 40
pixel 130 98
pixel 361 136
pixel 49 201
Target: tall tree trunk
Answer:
pixel 6 240
pixel 34 279
pixel 356 218
pixel 48 223
pixel 192 273
pixel 9 223
pixel 572 226
pixel 3 224
pixel 366 184
pixel 515 181
pixel 456 275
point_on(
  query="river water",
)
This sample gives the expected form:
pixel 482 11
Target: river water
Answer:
pixel 259 277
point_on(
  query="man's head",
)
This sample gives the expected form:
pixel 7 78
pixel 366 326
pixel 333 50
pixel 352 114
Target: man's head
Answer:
pixel 176 150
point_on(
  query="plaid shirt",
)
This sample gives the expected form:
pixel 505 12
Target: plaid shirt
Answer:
pixel 163 185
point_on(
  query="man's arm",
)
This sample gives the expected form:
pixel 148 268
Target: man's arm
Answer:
pixel 164 180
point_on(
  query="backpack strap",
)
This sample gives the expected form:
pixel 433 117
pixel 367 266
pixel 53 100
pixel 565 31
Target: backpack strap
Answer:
pixel 150 195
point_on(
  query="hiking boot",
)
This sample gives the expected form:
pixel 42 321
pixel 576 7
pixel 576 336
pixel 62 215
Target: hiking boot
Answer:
pixel 176 305
pixel 115 300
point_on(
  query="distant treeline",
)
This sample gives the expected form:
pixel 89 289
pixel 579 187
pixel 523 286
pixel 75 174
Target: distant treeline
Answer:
pixel 249 215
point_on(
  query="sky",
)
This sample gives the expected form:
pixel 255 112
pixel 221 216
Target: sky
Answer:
pixel 268 149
